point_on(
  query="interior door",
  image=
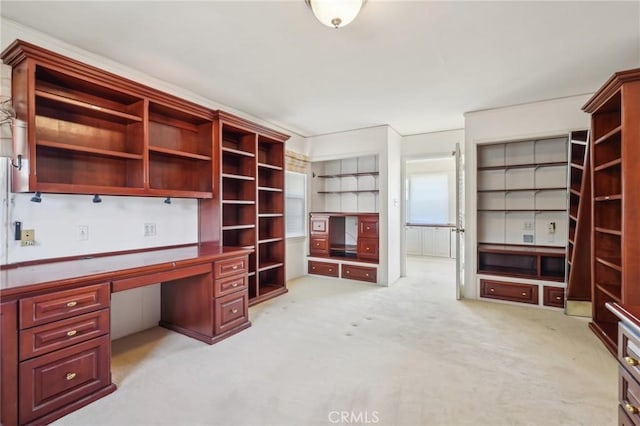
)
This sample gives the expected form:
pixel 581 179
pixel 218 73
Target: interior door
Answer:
pixel 459 229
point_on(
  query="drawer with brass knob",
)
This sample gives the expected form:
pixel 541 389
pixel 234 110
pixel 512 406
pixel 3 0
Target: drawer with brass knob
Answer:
pixel 229 285
pixel 513 292
pixel 553 296
pixel 323 268
pixel 228 267
pixel 51 381
pixel 360 273
pixel 61 334
pixel 50 307
pixel 231 311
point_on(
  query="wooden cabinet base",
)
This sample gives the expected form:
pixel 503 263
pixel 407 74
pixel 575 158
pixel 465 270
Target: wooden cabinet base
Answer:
pixel 512 292
pixel 210 340
pixel 327 269
pixel 360 273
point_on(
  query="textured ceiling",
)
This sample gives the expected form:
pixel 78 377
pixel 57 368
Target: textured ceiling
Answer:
pixel 415 65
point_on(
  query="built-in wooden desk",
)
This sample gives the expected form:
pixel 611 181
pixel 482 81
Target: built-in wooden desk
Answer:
pixel 55 320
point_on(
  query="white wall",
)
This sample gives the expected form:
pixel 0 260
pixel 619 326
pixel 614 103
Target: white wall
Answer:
pixel 118 222
pixel 394 198
pixel 534 120
pixel 432 144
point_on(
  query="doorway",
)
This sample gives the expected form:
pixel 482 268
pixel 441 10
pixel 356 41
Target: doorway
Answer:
pixel 432 234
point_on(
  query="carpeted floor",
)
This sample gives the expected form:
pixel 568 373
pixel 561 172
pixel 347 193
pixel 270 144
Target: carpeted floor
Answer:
pixel 341 352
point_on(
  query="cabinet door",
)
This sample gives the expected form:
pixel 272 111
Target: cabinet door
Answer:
pixel 368 227
pixel 414 240
pixel 9 363
pixel 442 242
pixel 368 248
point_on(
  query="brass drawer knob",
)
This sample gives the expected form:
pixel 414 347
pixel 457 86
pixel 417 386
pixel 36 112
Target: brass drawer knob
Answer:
pixel 631 409
pixel 348 272
pixel 631 361
pixel 330 270
pixel 71 304
pixel 234 311
pixel 492 290
pixel 313 267
pixel 235 267
pixel 558 298
pixel 366 275
pixel 368 248
pixel 70 376
pixel 71 333
pixel 524 294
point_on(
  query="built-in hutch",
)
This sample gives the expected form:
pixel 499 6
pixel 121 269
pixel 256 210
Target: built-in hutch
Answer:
pixel 344 225
pixel 522 220
pixel 88 131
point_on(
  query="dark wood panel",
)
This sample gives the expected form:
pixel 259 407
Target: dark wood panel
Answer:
pixel 513 292
pixel 228 267
pixel 186 303
pixel 368 226
pixel 158 277
pixel 318 246
pixel 323 268
pixel 360 273
pixel 553 296
pixel 231 311
pixel 367 248
pixel 54 380
pixel 63 304
pixel 224 286
pixel 64 333
pixel 9 363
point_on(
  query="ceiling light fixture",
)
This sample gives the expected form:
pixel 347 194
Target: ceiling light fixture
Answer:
pixel 335 13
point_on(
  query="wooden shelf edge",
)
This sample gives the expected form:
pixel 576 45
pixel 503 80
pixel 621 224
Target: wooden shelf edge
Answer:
pixel 608 231
pixel 87 106
pixel 88 150
pixel 608 135
pixel 270 189
pixel 176 153
pixel 236 227
pixel 270 240
pixel 610 262
pixel 608 165
pixel 269 166
pixel 610 290
pixel 612 197
pixel 238 152
pixel 244 202
pixel 238 177
pixel 269 265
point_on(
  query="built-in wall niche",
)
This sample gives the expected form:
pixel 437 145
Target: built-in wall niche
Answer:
pixel 522 192
pixel 346 185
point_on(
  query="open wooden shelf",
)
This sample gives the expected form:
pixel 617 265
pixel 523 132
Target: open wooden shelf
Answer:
pixel 233 151
pixel 89 150
pixel 84 108
pixel 176 153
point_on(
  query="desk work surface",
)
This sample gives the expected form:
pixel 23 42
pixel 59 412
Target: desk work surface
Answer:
pixel 27 278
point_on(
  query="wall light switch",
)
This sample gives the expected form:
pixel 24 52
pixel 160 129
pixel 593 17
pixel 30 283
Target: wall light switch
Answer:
pixel 552 227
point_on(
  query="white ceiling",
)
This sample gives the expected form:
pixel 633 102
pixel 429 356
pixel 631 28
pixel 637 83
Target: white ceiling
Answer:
pixel 415 65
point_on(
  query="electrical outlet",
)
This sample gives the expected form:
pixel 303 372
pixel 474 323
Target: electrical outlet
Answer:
pixel 83 233
pixel 552 227
pixel 149 229
pixel 28 237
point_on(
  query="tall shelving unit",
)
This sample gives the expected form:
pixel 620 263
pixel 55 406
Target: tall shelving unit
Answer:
pixel 615 253
pixel 522 219
pixel 252 201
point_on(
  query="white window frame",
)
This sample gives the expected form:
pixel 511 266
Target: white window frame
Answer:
pixel 301 232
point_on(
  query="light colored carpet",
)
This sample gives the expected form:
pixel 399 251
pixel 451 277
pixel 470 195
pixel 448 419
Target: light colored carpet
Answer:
pixel 405 355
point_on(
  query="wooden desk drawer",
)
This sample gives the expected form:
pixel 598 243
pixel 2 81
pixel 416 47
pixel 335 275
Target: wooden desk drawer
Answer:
pixel 623 417
pixel 318 245
pixel 63 304
pixel 59 378
pixel 323 268
pixel 629 395
pixel 361 273
pixel 523 293
pixel 629 350
pixel 159 277
pixel 229 285
pixel 553 296
pixel 319 225
pixel 368 248
pixel 368 227
pixel 231 311
pixel 61 334
pixel 228 267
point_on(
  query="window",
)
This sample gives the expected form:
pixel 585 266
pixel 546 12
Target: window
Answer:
pixel 295 204
pixel 428 198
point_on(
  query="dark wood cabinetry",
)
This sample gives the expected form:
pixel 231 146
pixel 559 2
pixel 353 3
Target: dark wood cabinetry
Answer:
pixel 252 201
pixel 91 132
pixel 542 263
pixel 349 237
pixel 56 328
pixel 513 292
pixel 615 270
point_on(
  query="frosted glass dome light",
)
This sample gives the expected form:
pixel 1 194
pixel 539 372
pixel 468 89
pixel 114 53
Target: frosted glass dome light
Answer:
pixel 335 13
